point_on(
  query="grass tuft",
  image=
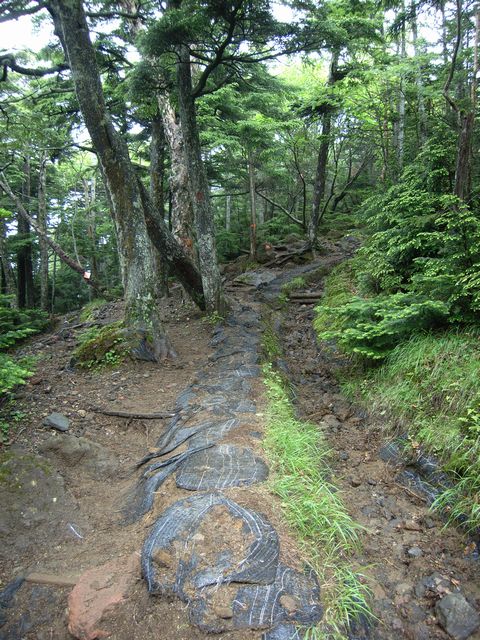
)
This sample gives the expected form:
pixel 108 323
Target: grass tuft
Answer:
pixel 312 505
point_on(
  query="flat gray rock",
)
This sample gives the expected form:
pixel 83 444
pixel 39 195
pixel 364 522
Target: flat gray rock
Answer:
pixel 221 467
pixel 457 616
pixel 57 421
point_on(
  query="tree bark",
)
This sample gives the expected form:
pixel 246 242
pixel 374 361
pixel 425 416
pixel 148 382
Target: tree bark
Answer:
pixel 253 206
pixel 42 224
pixel 131 207
pixel 7 271
pixel 157 175
pixel 24 253
pixel 228 213
pixel 199 189
pixel 321 173
pixel 182 208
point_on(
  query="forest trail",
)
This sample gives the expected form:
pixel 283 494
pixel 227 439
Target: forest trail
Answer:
pixel 78 507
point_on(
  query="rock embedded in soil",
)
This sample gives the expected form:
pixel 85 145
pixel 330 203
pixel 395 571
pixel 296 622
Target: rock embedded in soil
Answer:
pixel 81 452
pixel 57 421
pixel 457 616
pixel 230 574
pixel 221 467
pixel 98 592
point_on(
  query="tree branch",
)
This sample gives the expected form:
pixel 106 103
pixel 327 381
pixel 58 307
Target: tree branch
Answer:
pixel 7 61
pixel 282 208
pixel 53 245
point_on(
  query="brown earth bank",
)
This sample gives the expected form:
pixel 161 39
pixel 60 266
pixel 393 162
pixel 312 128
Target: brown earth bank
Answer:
pixel 410 559
pixel 63 494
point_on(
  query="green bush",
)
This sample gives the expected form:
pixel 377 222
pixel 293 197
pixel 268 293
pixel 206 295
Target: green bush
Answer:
pixel 373 327
pixel 15 325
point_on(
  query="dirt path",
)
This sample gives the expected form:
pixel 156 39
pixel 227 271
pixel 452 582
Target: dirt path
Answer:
pixel 197 514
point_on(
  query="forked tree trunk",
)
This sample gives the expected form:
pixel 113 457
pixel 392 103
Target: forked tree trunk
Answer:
pixel 199 189
pixel 131 206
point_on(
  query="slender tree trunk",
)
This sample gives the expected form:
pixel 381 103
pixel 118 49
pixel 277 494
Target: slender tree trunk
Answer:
pixel 322 161
pixel 89 190
pixel 199 189
pixel 463 171
pixel 320 177
pixel 24 253
pixel 7 271
pixel 157 195
pixel 42 224
pixel 131 206
pixel 401 100
pixel 228 213
pixel 253 206
pixel 422 117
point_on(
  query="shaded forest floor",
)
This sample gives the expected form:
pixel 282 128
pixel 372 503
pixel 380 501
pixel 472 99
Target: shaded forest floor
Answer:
pixel 62 504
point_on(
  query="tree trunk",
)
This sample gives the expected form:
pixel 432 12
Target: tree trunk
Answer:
pixel 321 174
pixel 199 190
pixel 89 191
pixel 10 286
pixel 228 213
pixel 182 209
pixel 401 100
pixel 253 206
pixel 320 177
pixel 422 116
pixel 42 224
pixel 24 252
pixel 131 206
pixel 157 174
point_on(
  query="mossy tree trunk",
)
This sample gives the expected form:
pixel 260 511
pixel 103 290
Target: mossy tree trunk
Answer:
pixel 131 205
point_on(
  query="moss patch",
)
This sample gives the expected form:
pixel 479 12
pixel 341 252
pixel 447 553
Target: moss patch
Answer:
pixel 102 346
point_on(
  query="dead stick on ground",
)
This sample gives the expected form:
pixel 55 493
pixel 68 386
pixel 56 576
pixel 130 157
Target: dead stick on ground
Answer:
pixel 133 415
pixel 410 492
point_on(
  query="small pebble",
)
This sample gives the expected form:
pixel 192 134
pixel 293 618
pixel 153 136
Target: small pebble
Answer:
pixel 415 552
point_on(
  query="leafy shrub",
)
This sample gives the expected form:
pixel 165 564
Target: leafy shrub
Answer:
pixel 228 245
pixel 15 325
pixel 373 327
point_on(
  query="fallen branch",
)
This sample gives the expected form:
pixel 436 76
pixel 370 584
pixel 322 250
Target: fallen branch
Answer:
pixel 160 415
pixel 51 579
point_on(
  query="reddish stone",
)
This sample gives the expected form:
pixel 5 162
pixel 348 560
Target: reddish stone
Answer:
pixel 98 592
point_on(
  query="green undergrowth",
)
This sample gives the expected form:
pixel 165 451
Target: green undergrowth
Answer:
pixel 312 505
pixel 292 285
pixel 429 388
pixel 88 310
pixel 101 346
